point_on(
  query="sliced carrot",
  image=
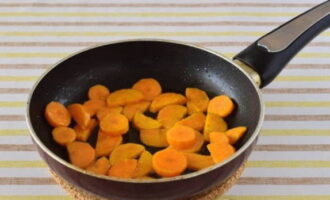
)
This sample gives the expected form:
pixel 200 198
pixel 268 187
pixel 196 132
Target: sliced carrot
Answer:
pixel 166 99
pixel 221 105
pixel 149 87
pixel 106 143
pixel 79 114
pixel 92 106
pixel 63 135
pixel 154 137
pixel 195 147
pixel 218 137
pixel 123 97
pixel 169 162
pixel 123 169
pixel 100 166
pixel 84 133
pixel 235 134
pixel 197 100
pixel 195 121
pixel 220 151
pixel 170 114
pixel 102 112
pixel 57 115
pixel 81 154
pixel 131 109
pixel 198 161
pixel 140 121
pixel 98 92
pixel 126 151
pixel 214 123
pixel 144 166
pixel 114 124
pixel 181 137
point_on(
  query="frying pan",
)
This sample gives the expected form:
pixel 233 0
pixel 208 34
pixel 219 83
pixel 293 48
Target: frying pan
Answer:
pixel 176 66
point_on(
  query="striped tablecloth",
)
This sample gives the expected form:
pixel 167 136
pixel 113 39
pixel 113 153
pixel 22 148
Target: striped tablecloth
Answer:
pixel 292 158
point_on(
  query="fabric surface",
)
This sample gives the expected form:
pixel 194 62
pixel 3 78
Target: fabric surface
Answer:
pixel 292 158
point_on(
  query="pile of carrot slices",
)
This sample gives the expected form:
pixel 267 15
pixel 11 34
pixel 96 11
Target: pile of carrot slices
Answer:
pixel 181 125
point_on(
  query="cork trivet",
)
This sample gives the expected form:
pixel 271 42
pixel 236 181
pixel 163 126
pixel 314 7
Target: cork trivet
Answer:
pixel 80 194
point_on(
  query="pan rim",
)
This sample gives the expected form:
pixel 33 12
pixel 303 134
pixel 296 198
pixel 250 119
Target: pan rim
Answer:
pixel 45 149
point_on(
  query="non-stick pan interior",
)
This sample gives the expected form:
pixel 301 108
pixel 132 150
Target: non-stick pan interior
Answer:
pixel 119 65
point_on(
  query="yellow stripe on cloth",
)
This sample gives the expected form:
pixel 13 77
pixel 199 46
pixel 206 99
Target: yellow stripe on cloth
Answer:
pixel 13 132
pixel 289 164
pixel 297 104
pixel 295 132
pixel 22 164
pixel 12 103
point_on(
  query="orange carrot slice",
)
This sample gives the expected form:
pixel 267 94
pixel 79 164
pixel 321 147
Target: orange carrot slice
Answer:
pixel 57 115
pixel 195 147
pixel 126 151
pixel 79 114
pixel 81 154
pixel 218 137
pixel 149 87
pixel 92 106
pixel 63 135
pixel 166 99
pixel 84 133
pixel 169 162
pixel 114 124
pixel 98 92
pixel 181 137
pixel 144 166
pixel 102 112
pixel 195 121
pixel 131 109
pixel 123 169
pixel 154 137
pixel 106 143
pixel 198 161
pixel 220 151
pixel 235 134
pixel 101 166
pixel 197 100
pixel 170 114
pixel 140 121
pixel 214 123
pixel 123 97
pixel 221 105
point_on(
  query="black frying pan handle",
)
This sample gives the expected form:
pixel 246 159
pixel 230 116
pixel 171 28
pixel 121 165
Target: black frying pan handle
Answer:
pixel 269 54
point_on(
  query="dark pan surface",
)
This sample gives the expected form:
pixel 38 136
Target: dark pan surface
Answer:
pixel 119 65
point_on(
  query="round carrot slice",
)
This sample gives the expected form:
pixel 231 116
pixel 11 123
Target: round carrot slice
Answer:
pixel 181 137
pixel 57 115
pixel 114 124
pixel 81 154
pixel 149 87
pixel 92 106
pixel 63 135
pixel 221 105
pixel 169 162
pixel 98 92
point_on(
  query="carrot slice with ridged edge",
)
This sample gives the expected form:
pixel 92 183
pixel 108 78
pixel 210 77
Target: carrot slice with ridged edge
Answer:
pixel 140 121
pixel 165 99
pixel 220 151
pixel 221 105
pixel 170 114
pixel 123 97
pixel 195 121
pixel 79 114
pixel 214 123
pixel 169 162
pixel 154 137
pixel 114 124
pixel 131 109
pixel 106 143
pixel 98 92
pixel 63 135
pixel 81 154
pixel 123 169
pixel 126 151
pixel 100 166
pixel 149 87
pixel 57 115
